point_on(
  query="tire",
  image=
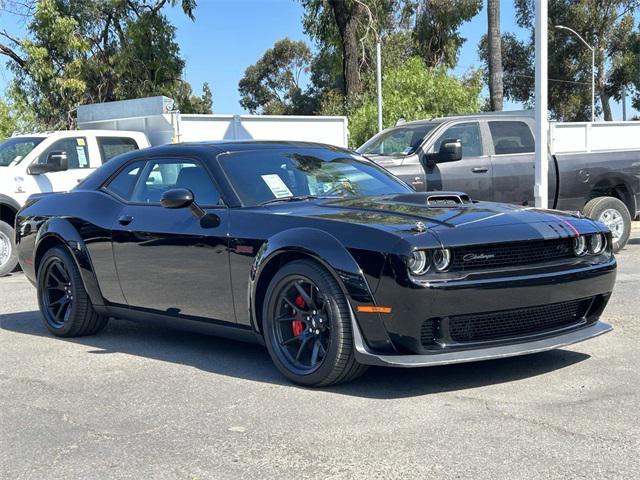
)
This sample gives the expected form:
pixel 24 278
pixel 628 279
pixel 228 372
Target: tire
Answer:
pixel 64 303
pixel 331 320
pixel 8 253
pixel 615 215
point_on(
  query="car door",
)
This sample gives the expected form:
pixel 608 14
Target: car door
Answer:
pixel 471 174
pixel 513 161
pixel 167 260
pixel 76 150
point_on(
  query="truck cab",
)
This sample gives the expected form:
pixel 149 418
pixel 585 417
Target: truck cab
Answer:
pixel 51 162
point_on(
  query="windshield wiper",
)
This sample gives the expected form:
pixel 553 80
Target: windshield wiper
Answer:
pixel 295 198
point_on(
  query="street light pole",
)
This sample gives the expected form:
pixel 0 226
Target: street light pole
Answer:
pixel 593 68
pixel 541 187
pixel 379 80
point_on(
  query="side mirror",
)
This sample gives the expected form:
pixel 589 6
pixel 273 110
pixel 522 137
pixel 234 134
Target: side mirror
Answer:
pixel 177 198
pixel 56 162
pixel 450 151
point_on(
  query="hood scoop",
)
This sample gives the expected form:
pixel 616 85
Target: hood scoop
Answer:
pixel 433 199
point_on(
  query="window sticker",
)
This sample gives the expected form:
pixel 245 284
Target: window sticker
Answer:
pixel 80 141
pixel 277 186
pixel 82 158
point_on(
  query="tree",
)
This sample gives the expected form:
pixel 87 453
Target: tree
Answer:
pixel 626 71
pixel 7 121
pixel 413 91
pixel 607 25
pixel 78 51
pixel 436 28
pixel 494 54
pixel 273 84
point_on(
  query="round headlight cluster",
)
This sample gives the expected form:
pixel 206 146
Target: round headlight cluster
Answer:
pixel 421 261
pixel 594 244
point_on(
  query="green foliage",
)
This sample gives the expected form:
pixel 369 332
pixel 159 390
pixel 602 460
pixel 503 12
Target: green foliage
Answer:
pixel 607 25
pixel 80 51
pixel 412 91
pixel 272 84
pixel 7 121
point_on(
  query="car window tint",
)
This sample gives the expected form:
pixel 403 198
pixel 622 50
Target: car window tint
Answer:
pixel 112 146
pixel 123 183
pixel 74 148
pixel 469 136
pixel 158 176
pixel 511 137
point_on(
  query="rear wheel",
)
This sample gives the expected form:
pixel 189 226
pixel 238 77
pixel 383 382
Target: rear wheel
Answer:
pixel 8 254
pixel 307 326
pixel 64 303
pixel 615 215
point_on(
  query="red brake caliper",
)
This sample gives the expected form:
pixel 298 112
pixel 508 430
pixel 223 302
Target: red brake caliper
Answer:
pixel 297 327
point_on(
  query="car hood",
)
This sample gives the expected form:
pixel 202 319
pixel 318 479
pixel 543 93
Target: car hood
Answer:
pixel 488 221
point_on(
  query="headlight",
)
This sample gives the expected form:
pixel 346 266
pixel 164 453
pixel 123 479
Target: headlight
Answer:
pixel 441 259
pixel 418 263
pixel 597 243
pixel 580 245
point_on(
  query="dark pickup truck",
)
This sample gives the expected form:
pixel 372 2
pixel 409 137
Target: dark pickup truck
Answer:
pixel 491 157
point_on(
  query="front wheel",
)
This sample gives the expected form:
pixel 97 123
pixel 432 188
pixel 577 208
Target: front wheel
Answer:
pixel 307 326
pixel 8 255
pixel 615 215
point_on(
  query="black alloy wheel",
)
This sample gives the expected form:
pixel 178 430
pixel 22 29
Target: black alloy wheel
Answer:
pixel 64 303
pixel 307 326
pixel 57 296
pixel 302 325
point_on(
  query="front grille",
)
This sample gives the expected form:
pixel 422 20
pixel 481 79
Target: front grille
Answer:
pixel 510 254
pixel 516 322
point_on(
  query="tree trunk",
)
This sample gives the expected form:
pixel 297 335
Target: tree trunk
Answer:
pixel 494 43
pixel 346 15
pixel 606 108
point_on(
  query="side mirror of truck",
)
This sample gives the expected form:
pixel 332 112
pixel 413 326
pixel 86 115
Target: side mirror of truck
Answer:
pixel 56 162
pixel 450 151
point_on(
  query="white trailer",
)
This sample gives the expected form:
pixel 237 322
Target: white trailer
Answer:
pixel 162 124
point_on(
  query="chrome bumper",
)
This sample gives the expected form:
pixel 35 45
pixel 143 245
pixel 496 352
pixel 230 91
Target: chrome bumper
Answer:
pixel 364 356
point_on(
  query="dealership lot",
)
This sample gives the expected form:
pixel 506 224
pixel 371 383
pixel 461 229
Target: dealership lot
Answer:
pixel 142 402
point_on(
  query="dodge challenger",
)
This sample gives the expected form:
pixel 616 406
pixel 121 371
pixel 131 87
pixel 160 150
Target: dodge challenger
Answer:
pixel 316 252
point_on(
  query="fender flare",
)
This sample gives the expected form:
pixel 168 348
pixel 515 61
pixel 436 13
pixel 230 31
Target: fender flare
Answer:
pixel 64 232
pixel 9 202
pixel 323 248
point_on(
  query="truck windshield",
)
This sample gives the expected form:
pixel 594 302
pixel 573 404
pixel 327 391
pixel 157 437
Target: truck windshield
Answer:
pixel 16 148
pixel 401 140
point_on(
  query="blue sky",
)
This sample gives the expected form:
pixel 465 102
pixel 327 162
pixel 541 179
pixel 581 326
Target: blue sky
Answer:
pixel 229 35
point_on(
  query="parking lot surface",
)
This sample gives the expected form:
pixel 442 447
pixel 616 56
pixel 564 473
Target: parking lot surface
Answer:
pixel 142 402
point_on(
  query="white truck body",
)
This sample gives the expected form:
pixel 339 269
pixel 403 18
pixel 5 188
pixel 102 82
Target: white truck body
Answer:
pixel 154 116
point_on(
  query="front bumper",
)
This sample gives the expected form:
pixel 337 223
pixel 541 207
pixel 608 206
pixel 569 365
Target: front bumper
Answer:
pixel 364 356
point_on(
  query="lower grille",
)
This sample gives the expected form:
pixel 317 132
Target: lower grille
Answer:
pixel 505 324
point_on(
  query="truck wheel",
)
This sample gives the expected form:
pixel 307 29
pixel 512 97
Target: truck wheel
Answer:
pixel 64 303
pixel 307 326
pixel 614 214
pixel 8 254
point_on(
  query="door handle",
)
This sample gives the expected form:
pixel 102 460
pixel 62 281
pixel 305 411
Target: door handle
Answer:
pixel 125 220
pixel 479 169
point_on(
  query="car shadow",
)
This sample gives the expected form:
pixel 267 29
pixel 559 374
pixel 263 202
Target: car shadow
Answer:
pixel 252 362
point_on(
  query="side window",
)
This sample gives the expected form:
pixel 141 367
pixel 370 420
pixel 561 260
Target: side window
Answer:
pixel 122 184
pixel 511 137
pixel 158 176
pixel 74 148
pixel 112 146
pixel 468 134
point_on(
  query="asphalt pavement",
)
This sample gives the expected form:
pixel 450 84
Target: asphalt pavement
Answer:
pixel 150 403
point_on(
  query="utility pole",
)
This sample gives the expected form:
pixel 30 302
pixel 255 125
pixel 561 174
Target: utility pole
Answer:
pixel 379 80
pixel 624 103
pixel 541 189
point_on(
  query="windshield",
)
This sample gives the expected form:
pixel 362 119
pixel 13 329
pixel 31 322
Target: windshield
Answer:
pixel 402 140
pixel 263 176
pixel 13 148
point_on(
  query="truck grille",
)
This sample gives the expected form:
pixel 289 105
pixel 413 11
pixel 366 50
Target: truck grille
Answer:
pixel 510 254
pixel 516 322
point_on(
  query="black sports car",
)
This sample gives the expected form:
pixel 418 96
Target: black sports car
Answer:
pixel 329 260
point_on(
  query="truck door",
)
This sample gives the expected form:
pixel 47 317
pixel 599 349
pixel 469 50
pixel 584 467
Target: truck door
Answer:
pixel 513 161
pixel 471 174
pixel 76 151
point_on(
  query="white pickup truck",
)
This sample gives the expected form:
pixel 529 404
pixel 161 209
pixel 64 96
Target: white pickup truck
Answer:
pixel 51 162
